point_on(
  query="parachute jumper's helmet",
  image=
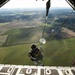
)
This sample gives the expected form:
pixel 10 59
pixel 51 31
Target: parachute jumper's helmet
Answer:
pixel 33 46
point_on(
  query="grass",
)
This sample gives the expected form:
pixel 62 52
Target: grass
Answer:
pixel 23 35
pixel 2 24
pixel 3 39
pixel 14 54
pixel 59 53
pixel 56 53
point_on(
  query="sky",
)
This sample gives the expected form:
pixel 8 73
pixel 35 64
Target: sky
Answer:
pixel 35 4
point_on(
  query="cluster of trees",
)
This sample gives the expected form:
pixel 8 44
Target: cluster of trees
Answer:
pixel 8 18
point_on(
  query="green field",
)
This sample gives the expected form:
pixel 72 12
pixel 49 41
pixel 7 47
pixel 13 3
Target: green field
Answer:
pixel 19 29
pixel 23 35
pixel 60 52
pixel 56 52
pixel 15 50
pixel 3 39
pixel 2 24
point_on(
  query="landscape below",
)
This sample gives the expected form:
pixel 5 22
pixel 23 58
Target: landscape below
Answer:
pixel 20 29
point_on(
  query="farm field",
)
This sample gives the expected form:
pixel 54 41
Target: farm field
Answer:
pixel 23 35
pixel 3 39
pixel 55 53
pixel 18 31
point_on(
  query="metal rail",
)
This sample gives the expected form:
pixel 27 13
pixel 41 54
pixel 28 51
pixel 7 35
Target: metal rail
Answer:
pixel 2 2
pixel 71 4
